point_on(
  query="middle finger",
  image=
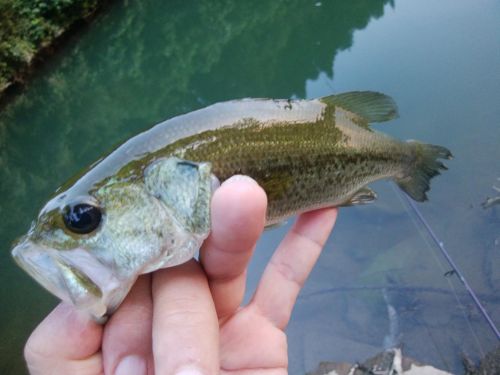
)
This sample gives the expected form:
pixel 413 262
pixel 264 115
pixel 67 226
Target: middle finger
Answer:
pixel 185 326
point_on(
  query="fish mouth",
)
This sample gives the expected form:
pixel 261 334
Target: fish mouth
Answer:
pixel 74 276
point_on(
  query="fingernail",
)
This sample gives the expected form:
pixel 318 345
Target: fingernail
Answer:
pixel 238 178
pixel 189 371
pixel 132 365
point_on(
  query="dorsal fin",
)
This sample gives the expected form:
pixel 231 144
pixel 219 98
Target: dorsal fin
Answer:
pixel 370 105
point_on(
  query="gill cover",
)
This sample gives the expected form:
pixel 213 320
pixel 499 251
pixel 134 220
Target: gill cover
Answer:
pixel 184 186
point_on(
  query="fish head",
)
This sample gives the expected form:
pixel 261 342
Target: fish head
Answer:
pixel 88 249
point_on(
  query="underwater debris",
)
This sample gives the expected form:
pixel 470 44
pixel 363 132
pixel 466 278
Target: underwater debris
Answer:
pixel 450 273
pixel 392 362
pixel 389 362
pixel 490 364
pixel 490 202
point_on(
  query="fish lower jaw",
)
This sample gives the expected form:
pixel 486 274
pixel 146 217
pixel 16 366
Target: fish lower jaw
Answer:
pixel 74 276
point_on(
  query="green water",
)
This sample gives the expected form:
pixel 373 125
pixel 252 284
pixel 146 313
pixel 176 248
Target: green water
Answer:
pixel 141 63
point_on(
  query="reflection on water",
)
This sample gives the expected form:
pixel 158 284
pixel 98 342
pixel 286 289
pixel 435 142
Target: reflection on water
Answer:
pixel 143 62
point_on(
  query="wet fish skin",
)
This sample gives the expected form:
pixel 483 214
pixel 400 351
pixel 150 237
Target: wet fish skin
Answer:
pixel 153 192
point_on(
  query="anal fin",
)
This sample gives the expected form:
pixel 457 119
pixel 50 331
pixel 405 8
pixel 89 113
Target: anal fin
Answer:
pixel 278 224
pixel 362 196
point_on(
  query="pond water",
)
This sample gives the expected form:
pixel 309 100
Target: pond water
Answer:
pixel 142 62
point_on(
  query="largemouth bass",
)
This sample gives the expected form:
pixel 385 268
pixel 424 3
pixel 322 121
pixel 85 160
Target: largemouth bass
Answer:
pixel 146 205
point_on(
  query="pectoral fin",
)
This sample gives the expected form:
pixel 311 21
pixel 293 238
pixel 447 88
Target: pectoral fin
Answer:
pixel 184 187
pixel 362 196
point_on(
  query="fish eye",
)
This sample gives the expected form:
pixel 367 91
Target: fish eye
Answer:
pixel 82 218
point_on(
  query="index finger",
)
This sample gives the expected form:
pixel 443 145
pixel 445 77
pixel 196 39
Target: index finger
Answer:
pixel 238 216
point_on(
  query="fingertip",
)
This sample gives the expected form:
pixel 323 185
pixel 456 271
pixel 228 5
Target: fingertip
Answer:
pixel 239 200
pixel 317 224
pixel 241 186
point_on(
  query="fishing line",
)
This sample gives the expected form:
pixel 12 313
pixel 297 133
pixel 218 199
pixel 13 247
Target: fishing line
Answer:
pixel 430 332
pixel 450 261
pixel 426 238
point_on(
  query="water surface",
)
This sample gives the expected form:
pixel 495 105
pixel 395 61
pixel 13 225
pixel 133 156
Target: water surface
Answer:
pixel 142 63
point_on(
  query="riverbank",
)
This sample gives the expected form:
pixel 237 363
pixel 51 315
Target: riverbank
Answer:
pixel 31 29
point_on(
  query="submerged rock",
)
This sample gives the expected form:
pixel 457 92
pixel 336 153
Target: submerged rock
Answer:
pixel 489 365
pixel 490 202
pixel 389 362
pixel 392 362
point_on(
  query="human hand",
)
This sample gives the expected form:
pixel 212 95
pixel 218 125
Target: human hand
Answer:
pixel 188 319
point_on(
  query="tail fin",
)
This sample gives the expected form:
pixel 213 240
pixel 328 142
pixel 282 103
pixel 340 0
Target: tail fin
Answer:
pixel 424 167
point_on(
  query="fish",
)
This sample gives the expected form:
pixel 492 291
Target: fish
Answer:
pixel 146 205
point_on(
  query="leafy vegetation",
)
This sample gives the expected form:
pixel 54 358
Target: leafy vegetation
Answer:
pixel 26 26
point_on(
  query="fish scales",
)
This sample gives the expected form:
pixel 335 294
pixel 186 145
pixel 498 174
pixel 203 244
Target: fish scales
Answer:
pixel 300 165
pixel 146 205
